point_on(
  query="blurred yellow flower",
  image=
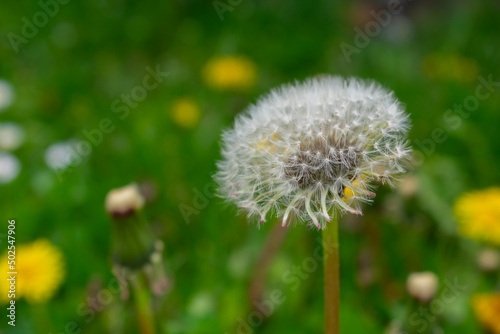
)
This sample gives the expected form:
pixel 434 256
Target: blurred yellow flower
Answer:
pixel 40 271
pixel 487 309
pixel 450 67
pixel 230 73
pixel 478 215
pixel 185 112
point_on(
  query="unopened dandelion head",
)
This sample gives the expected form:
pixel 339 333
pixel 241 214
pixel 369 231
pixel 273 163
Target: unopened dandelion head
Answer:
pixel 311 150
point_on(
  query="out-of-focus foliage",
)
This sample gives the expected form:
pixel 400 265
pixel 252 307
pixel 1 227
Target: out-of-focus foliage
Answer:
pixel 129 79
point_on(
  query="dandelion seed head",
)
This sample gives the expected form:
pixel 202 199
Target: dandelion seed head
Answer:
pixel 310 150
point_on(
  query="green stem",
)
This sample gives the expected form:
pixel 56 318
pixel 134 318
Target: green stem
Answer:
pixel 142 300
pixel 332 280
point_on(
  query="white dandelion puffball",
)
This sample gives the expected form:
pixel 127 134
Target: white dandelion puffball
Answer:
pixel 61 155
pixel 422 286
pixel 309 151
pixel 10 167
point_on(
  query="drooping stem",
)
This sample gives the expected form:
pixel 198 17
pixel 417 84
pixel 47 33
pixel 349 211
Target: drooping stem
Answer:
pixel 266 258
pixel 330 236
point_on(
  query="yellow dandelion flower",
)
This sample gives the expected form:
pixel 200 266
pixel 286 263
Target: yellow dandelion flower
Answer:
pixel 40 271
pixel 487 309
pixel 478 215
pixel 230 73
pixel 185 112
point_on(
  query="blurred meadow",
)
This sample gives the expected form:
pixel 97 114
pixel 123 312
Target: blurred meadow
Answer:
pixel 96 95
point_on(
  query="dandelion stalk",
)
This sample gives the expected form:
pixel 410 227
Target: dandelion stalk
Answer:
pixel 330 236
pixel 143 305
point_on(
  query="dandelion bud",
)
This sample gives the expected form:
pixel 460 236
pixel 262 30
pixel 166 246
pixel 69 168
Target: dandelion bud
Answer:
pixel 132 241
pixel 312 150
pixel 488 260
pixel 422 286
pixel 122 202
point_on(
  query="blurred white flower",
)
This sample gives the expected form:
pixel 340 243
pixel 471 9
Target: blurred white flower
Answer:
pixel 61 155
pixel 312 149
pixel 11 136
pixel 422 286
pixel 9 167
pixel 6 94
pixel 488 259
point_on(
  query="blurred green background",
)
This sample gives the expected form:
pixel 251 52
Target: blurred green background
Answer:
pixel 66 78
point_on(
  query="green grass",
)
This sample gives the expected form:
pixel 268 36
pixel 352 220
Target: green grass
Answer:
pixel 66 79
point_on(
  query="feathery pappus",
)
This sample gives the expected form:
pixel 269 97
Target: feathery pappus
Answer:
pixel 310 150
